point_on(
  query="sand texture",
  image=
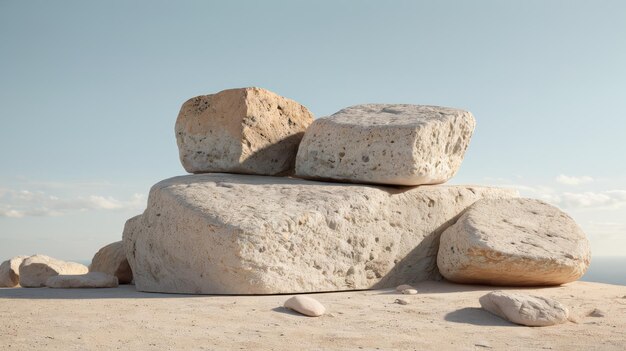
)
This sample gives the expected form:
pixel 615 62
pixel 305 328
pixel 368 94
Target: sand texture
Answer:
pixel 442 316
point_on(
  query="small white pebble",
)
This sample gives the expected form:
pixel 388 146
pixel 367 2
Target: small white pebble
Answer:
pixel 409 292
pixel 402 287
pixel 305 305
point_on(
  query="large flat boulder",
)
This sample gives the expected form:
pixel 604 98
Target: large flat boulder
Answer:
pixel 111 259
pixel 35 270
pixel 386 144
pixel 10 272
pixel 247 130
pixel 238 234
pixel 89 280
pixel 525 309
pixel 518 242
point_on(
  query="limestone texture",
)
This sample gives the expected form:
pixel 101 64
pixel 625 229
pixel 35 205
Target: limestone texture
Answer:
pixel 524 309
pixel 88 280
pixel 247 130
pixel 35 270
pixel 516 242
pixel 386 144
pixel 305 305
pixel 240 234
pixel 111 259
pixel 10 272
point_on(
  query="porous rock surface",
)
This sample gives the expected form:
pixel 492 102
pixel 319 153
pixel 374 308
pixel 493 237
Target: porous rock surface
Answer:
pixel 386 144
pixel 35 270
pixel 247 130
pixel 10 272
pixel 524 309
pixel 239 234
pixel 513 242
pixel 88 280
pixel 111 259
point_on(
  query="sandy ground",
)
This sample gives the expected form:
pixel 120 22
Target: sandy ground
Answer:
pixel 442 316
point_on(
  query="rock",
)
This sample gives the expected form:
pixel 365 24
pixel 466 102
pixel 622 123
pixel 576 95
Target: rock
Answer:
pixel 111 259
pixel 483 344
pixel 89 280
pixel 518 242
pixel 401 302
pixel 596 313
pixel 533 311
pixel 401 288
pixel 386 144
pixel 409 292
pixel 10 272
pixel 305 305
pixel 239 234
pixel 247 130
pixel 35 270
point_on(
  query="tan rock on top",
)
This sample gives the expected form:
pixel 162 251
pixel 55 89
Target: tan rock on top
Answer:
pixel 518 242
pixel 386 144
pixel 35 270
pixel 10 272
pixel 111 259
pixel 247 130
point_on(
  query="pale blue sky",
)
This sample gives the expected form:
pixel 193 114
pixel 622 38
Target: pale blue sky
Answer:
pixel 89 92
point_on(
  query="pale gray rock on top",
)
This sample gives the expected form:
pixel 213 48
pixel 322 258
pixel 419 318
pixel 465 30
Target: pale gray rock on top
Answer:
pixel 89 280
pixel 524 309
pixel 10 272
pixel 111 259
pixel 386 144
pixel 247 130
pixel 238 234
pixel 513 242
pixel 35 270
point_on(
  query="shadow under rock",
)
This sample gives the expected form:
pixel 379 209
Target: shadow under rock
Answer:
pixel 420 263
pixel 285 310
pixel 121 292
pixel 477 316
pixel 448 287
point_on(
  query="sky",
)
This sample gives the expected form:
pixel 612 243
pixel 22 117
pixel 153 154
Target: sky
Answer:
pixel 90 91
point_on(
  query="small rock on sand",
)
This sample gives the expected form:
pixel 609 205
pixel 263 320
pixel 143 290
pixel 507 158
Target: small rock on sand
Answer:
pixel 305 305
pixel 403 287
pixel 401 302
pixel 409 292
pixel 111 259
pixel 530 310
pixel 596 313
pixel 10 272
pixel 35 270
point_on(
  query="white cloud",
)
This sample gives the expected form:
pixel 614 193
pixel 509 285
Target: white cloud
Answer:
pixel 568 180
pixel 25 203
pixel 589 199
pixel 609 199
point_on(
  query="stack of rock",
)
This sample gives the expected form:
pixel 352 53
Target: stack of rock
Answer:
pixel 283 203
